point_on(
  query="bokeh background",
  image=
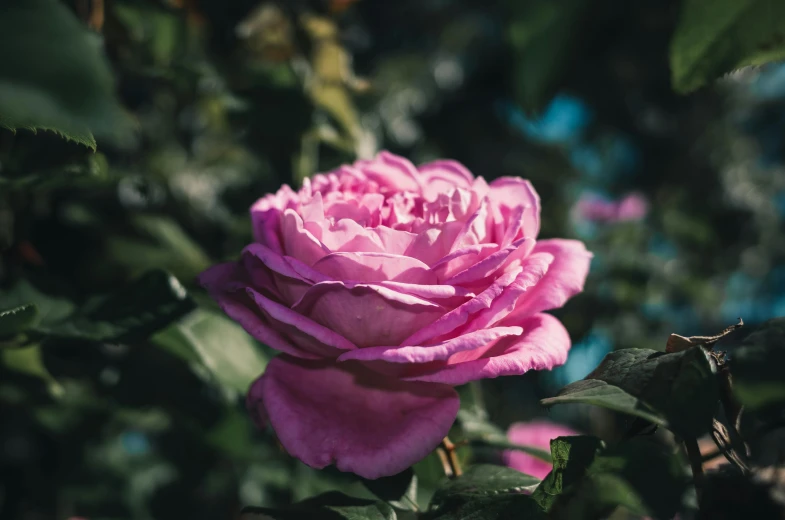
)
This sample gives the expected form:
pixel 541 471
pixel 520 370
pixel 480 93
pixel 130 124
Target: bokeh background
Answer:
pixel 680 197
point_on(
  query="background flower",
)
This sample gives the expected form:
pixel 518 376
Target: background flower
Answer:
pixel 536 434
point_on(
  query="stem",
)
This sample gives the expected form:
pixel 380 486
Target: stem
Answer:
pixel 411 502
pixel 452 466
pixel 696 463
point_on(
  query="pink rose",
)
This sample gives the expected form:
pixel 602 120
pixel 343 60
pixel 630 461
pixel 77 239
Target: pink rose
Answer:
pixel 630 208
pixel 384 285
pixel 536 434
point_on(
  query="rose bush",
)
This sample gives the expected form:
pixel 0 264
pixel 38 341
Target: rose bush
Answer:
pixel 383 285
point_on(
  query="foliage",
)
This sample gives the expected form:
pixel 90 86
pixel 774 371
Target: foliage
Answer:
pixel 122 385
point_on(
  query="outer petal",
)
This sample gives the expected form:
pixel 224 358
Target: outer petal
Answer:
pixel 537 434
pixel 301 330
pixel 460 315
pixel 367 314
pixel 287 277
pixel 543 345
pixel 266 216
pixel 427 353
pixel 564 279
pixel 361 421
pixel 225 284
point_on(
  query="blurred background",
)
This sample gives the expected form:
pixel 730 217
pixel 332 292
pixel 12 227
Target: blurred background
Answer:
pixel 680 197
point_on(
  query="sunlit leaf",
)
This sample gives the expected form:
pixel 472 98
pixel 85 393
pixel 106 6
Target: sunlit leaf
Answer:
pixel 714 37
pixel 17 319
pixel 219 344
pixel 54 76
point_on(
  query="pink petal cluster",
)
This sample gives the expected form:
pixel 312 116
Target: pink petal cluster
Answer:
pixel 535 434
pixel 632 207
pixel 383 285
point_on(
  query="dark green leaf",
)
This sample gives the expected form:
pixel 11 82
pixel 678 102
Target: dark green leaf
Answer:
pixel 17 319
pixel 54 76
pixel 394 487
pixel 165 246
pixel 502 507
pixel 481 481
pixel 645 477
pixel 328 506
pixel 140 309
pixel 600 393
pixel 571 457
pixel 28 361
pixel 714 37
pixel 589 482
pixel 544 35
pixel 757 366
pixel 229 353
pixel 678 389
pixel 50 309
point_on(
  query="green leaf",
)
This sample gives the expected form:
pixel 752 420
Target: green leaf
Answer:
pixel 757 366
pixel 395 487
pixel 544 35
pixel 589 481
pixel 50 309
pixel 571 457
pixel 678 390
pixel 28 361
pixel 230 355
pixel 147 305
pixel 503 507
pixel 645 477
pixel 714 37
pixel 17 319
pixel 165 245
pixel 54 76
pixel 328 506
pixel 479 482
pixel 600 393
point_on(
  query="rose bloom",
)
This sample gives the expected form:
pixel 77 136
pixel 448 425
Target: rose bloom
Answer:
pixel 536 434
pixel 383 285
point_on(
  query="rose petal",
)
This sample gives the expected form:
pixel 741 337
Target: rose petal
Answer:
pixel 300 330
pixel 266 217
pixel 226 285
pixel 493 263
pixel 460 315
pixel 433 244
pixel 514 191
pixel 298 242
pixel 543 345
pixel 361 421
pixel 374 267
pixel 391 171
pixel 367 314
pixel 428 353
pixel 564 279
pixel 533 270
pixel 458 174
pixel 263 264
